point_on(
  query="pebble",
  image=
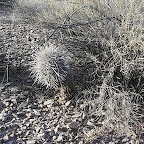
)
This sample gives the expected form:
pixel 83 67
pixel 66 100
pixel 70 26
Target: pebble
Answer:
pixel 112 143
pixel 2 114
pixel 64 129
pixel 21 96
pixel 6 103
pixel 36 112
pixel 60 138
pixel 67 103
pixel 90 123
pixel 14 89
pixel 2 87
pixel 74 125
pixel 37 129
pixel 40 135
pixel 5 138
pixel 81 142
pixel 48 103
pixel 52 133
pixel 31 142
pixel 54 137
pixel 56 129
pixel 126 139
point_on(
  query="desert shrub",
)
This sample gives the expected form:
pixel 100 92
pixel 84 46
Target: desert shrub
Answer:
pixel 115 98
pixel 113 109
pixel 44 12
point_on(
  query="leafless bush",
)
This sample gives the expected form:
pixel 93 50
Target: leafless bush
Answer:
pixel 114 110
pixel 116 107
pixel 116 99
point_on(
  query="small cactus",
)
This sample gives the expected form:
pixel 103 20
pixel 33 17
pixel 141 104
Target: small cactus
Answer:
pixel 50 66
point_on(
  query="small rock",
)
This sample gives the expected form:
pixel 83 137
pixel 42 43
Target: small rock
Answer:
pixel 5 138
pixel 21 114
pixel 40 105
pixel 37 129
pixel 1 27
pixel 29 80
pixel 56 129
pixel 36 112
pixel 83 116
pixel 81 142
pixel 47 143
pixel 112 143
pixel 64 129
pixel 48 103
pixel 2 114
pixel 131 142
pixel 26 93
pixel 125 139
pixel 2 87
pixel 76 115
pixel 29 115
pixel 13 100
pixel 30 142
pixel 54 137
pixel 60 138
pixel 21 96
pixel 67 103
pixel 6 103
pixel 40 135
pixel 14 89
pixel 74 125
pixel 52 133
pixel 90 123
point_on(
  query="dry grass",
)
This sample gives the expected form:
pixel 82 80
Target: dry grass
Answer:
pixel 110 23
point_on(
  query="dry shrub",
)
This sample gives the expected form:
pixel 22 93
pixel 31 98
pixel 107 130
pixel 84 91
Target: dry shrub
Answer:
pixel 119 69
pixel 46 11
pixel 118 112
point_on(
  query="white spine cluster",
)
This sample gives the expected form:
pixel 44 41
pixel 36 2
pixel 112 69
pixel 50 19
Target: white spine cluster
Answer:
pixel 50 66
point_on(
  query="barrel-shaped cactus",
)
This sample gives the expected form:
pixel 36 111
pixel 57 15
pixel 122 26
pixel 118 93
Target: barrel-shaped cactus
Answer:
pixel 50 66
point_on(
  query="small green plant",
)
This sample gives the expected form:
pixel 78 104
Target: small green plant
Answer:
pixel 50 66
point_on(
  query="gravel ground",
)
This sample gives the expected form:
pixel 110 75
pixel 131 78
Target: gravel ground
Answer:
pixel 30 114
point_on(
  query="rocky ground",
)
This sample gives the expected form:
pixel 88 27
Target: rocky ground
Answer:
pixel 30 114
